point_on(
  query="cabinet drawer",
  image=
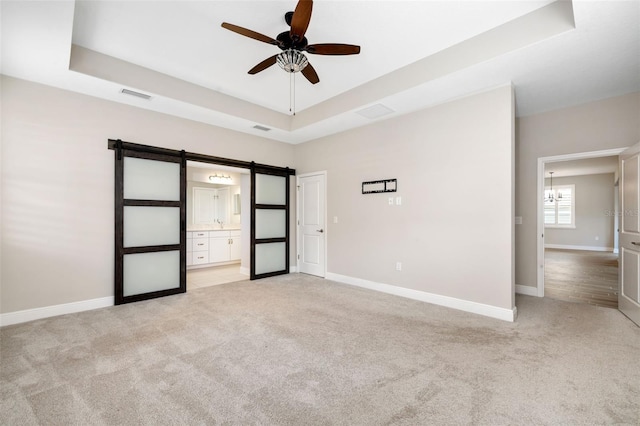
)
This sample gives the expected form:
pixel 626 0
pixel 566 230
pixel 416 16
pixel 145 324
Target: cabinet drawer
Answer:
pixel 200 257
pixel 200 244
pixel 200 234
pixel 236 233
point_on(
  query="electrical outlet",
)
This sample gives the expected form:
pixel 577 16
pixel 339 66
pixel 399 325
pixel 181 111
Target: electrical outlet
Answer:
pixel 335 219
pixel 398 266
pixel 597 238
pixel 398 201
pixel 390 201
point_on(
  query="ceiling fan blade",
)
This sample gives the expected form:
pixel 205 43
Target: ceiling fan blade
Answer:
pixel 263 65
pixel 249 33
pixel 333 49
pixel 300 19
pixel 310 74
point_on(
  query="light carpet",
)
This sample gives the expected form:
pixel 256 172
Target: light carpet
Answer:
pixel 298 350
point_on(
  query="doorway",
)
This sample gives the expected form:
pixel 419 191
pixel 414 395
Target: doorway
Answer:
pixel 577 227
pixel 218 224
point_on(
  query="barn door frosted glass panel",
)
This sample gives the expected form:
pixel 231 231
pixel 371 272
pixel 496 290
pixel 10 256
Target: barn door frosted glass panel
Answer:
pixel 151 272
pixel 271 231
pixel 151 226
pixel 271 223
pixel 150 240
pixel 271 189
pixel 151 180
pixel 270 257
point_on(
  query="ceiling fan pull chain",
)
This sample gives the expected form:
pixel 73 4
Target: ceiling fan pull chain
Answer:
pixel 294 93
pixel 290 89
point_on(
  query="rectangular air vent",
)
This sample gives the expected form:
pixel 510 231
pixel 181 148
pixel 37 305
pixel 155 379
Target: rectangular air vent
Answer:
pixel 259 127
pixel 136 94
pixel 375 111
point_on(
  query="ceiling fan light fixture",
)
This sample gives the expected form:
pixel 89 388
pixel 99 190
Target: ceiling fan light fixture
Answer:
pixel 292 60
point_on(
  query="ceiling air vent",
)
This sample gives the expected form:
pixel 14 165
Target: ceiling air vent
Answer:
pixel 375 111
pixel 259 127
pixel 136 94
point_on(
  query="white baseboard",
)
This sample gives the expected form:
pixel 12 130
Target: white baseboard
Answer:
pixel 55 310
pixel 527 290
pixel 436 299
pixel 569 247
pixel 293 269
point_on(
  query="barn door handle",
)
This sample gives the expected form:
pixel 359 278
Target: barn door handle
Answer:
pixel 320 230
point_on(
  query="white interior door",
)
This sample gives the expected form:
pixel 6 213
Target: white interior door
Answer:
pixel 629 266
pixel 312 224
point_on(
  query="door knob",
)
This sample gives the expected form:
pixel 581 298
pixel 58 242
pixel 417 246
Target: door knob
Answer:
pixel 635 243
pixel 320 230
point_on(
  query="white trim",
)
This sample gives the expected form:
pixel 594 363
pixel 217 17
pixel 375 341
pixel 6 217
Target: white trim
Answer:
pixel 55 310
pixel 570 247
pixel 526 290
pixel 436 299
pixel 245 271
pixel 325 227
pixel 293 269
pixel 540 203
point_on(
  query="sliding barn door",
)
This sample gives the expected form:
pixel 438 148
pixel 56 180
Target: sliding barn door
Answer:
pixel 150 242
pixel 270 223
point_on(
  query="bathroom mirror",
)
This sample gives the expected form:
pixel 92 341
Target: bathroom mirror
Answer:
pixel 236 203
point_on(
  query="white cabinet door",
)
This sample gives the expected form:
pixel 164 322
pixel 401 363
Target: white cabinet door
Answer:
pixel 222 206
pixel 204 206
pixel 218 249
pixel 234 248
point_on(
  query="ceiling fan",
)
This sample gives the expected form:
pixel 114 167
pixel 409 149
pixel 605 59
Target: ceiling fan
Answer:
pixel 293 43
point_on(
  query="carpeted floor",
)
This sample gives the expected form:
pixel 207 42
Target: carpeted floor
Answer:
pixel 297 350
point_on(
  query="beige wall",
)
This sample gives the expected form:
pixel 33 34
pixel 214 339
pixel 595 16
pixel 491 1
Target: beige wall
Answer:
pixel 595 212
pixel 57 186
pixel 453 231
pixel 606 124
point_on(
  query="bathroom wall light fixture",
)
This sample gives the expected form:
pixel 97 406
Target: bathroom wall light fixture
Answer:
pixel 218 178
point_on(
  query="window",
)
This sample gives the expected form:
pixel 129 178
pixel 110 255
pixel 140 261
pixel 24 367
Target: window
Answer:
pixel 561 212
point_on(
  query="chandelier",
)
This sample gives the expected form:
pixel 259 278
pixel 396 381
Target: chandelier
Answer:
pixel 551 198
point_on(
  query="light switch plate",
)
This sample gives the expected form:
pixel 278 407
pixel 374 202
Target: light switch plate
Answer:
pixel 518 220
pixel 398 201
pixel 335 219
pixel 390 201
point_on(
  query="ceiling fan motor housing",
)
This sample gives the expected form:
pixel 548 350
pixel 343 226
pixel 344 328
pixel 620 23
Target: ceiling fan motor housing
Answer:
pixel 286 42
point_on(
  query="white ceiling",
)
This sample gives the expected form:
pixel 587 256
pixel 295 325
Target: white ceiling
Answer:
pixel 415 54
